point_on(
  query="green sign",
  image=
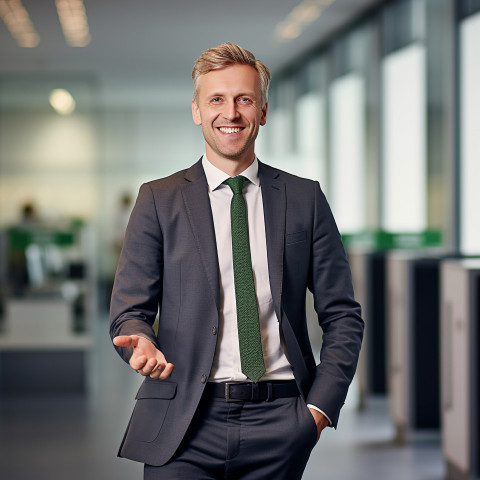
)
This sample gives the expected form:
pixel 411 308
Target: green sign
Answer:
pixel 20 238
pixel 382 240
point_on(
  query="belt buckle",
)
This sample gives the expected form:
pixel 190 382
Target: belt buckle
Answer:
pixel 227 393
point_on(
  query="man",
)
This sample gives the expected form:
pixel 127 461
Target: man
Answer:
pixel 231 389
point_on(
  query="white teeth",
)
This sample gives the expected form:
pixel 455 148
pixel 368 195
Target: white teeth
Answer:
pixel 229 129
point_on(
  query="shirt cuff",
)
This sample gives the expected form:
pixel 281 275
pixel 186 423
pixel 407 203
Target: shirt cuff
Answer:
pixel 309 405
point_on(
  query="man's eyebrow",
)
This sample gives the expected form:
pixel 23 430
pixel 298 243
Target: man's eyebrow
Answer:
pixel 241 94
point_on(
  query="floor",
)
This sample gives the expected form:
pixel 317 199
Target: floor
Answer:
pixel 76 437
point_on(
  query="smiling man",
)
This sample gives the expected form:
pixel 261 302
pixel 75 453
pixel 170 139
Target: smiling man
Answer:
pixel 228 104
pixel 225 252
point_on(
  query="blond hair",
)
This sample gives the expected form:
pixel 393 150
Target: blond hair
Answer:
pixel 226 55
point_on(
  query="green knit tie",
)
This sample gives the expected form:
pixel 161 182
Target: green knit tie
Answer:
pixel 248 323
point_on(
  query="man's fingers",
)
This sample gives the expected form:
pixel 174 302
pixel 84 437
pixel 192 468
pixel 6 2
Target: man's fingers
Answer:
pixel 162 371
pixel 126 341
pixel 138 363
pixel 155 374
pixel 166 371
pixel 146 367
pixel 149 366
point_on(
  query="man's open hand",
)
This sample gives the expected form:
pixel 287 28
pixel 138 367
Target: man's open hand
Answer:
pixel 146 358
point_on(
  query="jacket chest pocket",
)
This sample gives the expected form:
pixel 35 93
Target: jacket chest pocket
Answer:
pixel 295 238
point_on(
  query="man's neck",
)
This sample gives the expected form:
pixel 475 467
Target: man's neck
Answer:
pixel 231 166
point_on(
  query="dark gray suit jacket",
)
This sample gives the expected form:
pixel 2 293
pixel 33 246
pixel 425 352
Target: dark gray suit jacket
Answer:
pixel 169 262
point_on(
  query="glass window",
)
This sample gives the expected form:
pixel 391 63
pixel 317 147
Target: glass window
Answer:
pixel 469 137
pixel 310 135
pixel 404 140
pixel 347 137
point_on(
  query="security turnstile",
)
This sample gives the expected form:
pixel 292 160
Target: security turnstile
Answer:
pixel 368 273
pixel 413 326
pixel 460 367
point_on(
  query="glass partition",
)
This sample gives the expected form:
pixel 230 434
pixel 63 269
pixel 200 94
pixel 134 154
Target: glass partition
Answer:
pixel 404 140
pixel 310 136
pixel 469 136
pixel 347 152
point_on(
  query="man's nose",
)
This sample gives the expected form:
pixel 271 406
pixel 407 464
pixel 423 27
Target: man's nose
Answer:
pixel 231 110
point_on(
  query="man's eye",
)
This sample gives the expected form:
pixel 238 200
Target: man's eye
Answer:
pixel 244 100
pixel 216 100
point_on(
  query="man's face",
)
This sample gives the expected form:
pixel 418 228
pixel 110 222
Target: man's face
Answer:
pixel 229 109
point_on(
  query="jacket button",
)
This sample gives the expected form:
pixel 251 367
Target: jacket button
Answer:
pixel 214 330
pixel 203 379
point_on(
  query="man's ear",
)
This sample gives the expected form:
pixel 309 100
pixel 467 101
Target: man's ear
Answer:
pixel 263 119
pixel 196 113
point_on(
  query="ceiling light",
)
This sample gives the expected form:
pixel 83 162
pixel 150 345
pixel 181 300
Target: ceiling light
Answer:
pixel 62 101
pixel 299 18
pixel 18 21
pixel 73 18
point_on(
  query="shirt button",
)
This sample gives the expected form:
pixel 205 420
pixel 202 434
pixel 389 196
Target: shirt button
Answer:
pixel 204 379
pixel 214 330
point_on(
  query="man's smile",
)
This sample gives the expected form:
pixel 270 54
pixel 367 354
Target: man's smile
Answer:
pixel 230 130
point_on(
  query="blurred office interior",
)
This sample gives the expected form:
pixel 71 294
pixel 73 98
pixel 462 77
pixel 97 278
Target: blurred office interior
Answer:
pixel 378 100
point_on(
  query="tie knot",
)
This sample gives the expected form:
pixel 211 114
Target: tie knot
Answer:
pixel 236 184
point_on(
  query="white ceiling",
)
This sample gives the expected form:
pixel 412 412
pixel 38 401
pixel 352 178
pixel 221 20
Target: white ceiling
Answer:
pixel 144 50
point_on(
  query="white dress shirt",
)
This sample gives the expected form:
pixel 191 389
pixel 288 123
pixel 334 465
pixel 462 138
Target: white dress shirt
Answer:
pixel 226 365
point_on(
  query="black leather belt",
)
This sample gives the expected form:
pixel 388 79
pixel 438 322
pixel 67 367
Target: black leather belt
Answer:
pixel 255 392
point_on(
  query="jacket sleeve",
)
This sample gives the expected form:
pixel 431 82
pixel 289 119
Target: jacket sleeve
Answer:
pixel 136 295
pixel 339 315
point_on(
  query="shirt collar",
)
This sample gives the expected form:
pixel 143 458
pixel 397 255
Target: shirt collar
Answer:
pixel 215 176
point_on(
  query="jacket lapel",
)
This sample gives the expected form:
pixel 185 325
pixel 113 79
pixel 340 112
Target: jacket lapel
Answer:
pixel 274 210
pixel 197 203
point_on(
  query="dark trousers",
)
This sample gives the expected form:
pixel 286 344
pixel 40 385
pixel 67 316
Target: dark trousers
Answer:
pixel 268 440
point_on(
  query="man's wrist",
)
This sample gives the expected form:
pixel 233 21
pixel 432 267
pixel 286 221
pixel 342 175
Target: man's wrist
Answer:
pixel 143 336
pixel 313 407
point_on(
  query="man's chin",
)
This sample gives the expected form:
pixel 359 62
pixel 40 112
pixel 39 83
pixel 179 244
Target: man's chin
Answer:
pixel 237 155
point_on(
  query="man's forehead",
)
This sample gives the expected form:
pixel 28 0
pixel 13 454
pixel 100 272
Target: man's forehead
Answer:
pixel 237 75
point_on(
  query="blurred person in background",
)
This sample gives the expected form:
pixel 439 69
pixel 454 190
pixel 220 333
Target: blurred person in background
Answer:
pixel 121 221
pixel 225 252
pixel 18 274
